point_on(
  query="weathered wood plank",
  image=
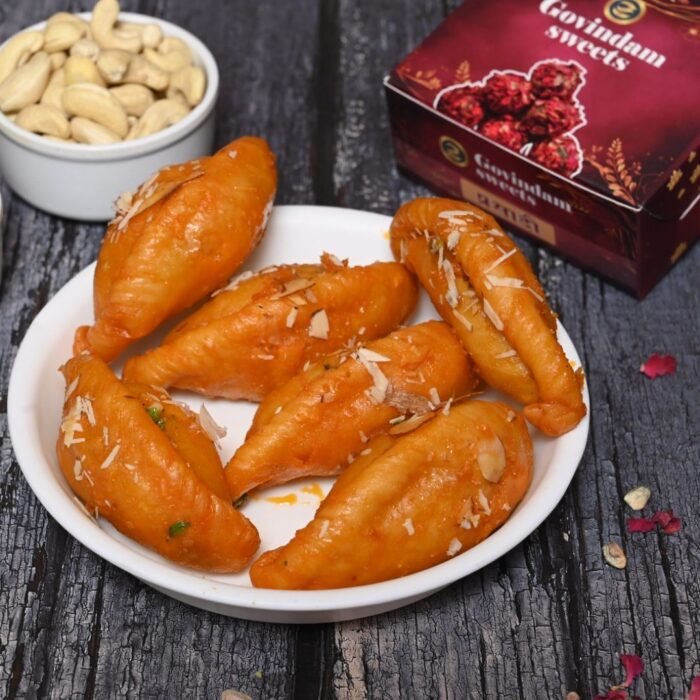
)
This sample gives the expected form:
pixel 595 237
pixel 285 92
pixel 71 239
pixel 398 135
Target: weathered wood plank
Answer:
pixel 70 624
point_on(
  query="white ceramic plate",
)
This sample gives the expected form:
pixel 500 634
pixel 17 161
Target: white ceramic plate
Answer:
pixel 296 234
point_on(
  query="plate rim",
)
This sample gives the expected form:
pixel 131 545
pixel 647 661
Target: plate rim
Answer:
pixel 23 425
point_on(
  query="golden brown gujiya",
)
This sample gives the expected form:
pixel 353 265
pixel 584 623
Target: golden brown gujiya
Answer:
pixel 144 463
pixel 482 284
pixel 321 420
pixel 254 336
pixel 179 237
pixel 410 503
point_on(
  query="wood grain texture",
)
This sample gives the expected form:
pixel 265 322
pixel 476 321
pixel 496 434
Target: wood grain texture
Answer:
pixel 547 618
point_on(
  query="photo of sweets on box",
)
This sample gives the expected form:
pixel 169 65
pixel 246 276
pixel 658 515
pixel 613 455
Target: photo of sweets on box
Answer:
pixel 575 122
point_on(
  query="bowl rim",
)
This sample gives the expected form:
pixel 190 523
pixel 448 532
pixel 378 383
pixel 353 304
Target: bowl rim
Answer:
pixel 138 147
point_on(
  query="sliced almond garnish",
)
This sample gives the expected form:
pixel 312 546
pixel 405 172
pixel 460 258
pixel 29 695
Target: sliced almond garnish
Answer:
pixel 210 426
pixel 291 317
pixel 499 260
pixel 319 326
pixel 513 282
pixel 111 457
pixel 638 497
pixel 295 285
pixel 484 502
pixel 491 458
pixel 368 355
pixel 615 555
pixel 453 239
pixel 71 388
pixel 463 320
pixel 449 213
pixel 454 547
pixel 452 296
pixel 493 316
pixel 406 426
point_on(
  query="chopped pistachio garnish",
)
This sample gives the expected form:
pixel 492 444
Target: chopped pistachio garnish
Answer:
pixel 178 528
pixel 156 415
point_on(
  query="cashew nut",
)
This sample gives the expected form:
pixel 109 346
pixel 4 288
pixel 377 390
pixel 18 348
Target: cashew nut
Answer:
pixel 135 99
pixel 142 71
pixel 67 17
pixel 173 94
pixel 172 43
pixel 87 131
pixel 17 49
pixel 79 69
pixel 58 60
pixel 104 16
pixel 41 119
pixel 96 103
pixel 159 115
pixel 191 82
pixel 54 90
pixel 26 84
pixel 85 47
pixel 171 61
pixel 60 36
pixel 151 34
pixel 113 64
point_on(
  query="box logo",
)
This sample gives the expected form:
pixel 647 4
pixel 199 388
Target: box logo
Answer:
pixel 454 151
pixel 625 11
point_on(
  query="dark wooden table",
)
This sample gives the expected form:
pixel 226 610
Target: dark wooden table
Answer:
pixel 548 618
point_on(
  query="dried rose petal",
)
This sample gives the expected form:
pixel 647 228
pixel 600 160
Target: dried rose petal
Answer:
pixel 673 526
pixel 615 555
pixel 638 497
pixel 694 693
pixel 640 524
pixel 613 694
pixel 659 366
pixel 667 521
pixel 634 666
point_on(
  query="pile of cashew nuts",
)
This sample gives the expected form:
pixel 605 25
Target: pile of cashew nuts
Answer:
pixel 99 81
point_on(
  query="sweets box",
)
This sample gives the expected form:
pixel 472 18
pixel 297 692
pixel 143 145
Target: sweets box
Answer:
pixel 576 122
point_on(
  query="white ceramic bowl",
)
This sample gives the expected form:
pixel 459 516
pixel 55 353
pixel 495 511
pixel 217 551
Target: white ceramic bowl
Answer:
pixel 296 234
pixel 81 181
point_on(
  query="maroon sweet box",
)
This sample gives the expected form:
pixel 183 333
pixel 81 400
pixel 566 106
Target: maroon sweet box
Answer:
pixel 573 121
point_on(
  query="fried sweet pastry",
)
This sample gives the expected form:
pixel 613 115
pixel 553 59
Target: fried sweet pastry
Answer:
pixel 482 284
pixel 254 336
pixel 143 462
pixel 410 503
pixel 317 423
pixel 179 237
